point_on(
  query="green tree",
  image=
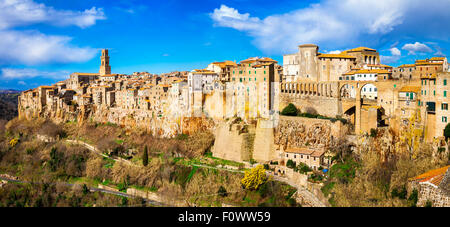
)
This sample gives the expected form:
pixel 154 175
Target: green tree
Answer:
pixel 413 198
pixel 447 131
pixel 290 110
pixel 145 157
pixel 85 189
pixel 290 164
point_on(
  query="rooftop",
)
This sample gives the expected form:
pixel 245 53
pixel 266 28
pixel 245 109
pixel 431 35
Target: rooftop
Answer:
pixel 433 177
pixel 414 89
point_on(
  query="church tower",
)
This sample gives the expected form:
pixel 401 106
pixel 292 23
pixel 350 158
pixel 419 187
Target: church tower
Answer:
pixel 105 68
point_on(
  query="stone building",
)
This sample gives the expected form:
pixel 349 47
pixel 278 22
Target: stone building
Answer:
pixel 309 64
pixel 433 187
pixel 434 101
pixel 313 158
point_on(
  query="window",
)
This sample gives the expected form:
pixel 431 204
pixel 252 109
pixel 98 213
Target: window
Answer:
pixel 434 93
pixel 444 119
pixel 445 93
pixel 444 106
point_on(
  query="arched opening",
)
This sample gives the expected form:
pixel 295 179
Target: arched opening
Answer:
pixel 348 91
pixel 369 93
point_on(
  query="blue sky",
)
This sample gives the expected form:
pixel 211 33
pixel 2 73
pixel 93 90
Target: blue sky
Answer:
pixel 43 41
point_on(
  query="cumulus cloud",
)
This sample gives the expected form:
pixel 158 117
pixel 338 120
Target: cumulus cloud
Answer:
pixel 416 47
pixel 337 23
pixel 25 12
pixel 396 54
pixel 33 47
pixel 395 51
pixel 27 73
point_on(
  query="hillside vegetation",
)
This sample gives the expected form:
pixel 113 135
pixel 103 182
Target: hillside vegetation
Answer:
pixel 174 165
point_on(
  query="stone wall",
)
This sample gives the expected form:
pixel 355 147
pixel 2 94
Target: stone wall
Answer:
pixel 435 195
pixel 230 143
pixel 264 146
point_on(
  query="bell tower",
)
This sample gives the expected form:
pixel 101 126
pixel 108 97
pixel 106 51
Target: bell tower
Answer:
pixel 105 68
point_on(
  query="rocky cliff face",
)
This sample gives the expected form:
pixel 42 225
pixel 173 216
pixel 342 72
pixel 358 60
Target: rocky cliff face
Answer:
pixel 307 132
pixel 165 127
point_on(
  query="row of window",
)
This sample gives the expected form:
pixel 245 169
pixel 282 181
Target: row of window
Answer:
pixel 249 72
pixel 424 92
pixel 249 79
pixel 424 82
pixel 301 156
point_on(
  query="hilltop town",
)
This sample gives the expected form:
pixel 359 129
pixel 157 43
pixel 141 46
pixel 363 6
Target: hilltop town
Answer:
pixel 290 117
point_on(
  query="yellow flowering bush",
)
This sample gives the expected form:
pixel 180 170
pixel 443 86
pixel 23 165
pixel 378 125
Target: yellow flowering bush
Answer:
pixel 13 142
pixel 254 178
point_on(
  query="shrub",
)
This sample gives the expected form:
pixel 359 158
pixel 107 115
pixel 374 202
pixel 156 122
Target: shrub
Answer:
pixel 222 191
pixel 254 178
pixel 290 164
pixel 447 131
pixel 399 193
pixel 413 198
pixel 13 142
pixel 266 166
pixel 290 110
pixel 373 132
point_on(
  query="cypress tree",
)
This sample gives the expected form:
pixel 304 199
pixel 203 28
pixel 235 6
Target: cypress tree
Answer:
pixel 145 157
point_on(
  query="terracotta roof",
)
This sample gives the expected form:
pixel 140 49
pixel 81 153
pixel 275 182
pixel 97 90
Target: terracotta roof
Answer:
pixel 380 65
pixel 88 74
pixel 432 76
pixel 433 176
pixel 414 89
pixel 367 71
pixel 46 86
pixel 203 71
pixel 437 58
pixel 428 63
pixel 407 66
pixel 299 150
pixel 341 55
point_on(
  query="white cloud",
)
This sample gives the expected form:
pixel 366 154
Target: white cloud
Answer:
pixel 26 73
pixel 334 23
pixel 395 51
pixel 416 47
pixel 15 13
pixel 32 47
pixel 334 52
pixel 22 83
